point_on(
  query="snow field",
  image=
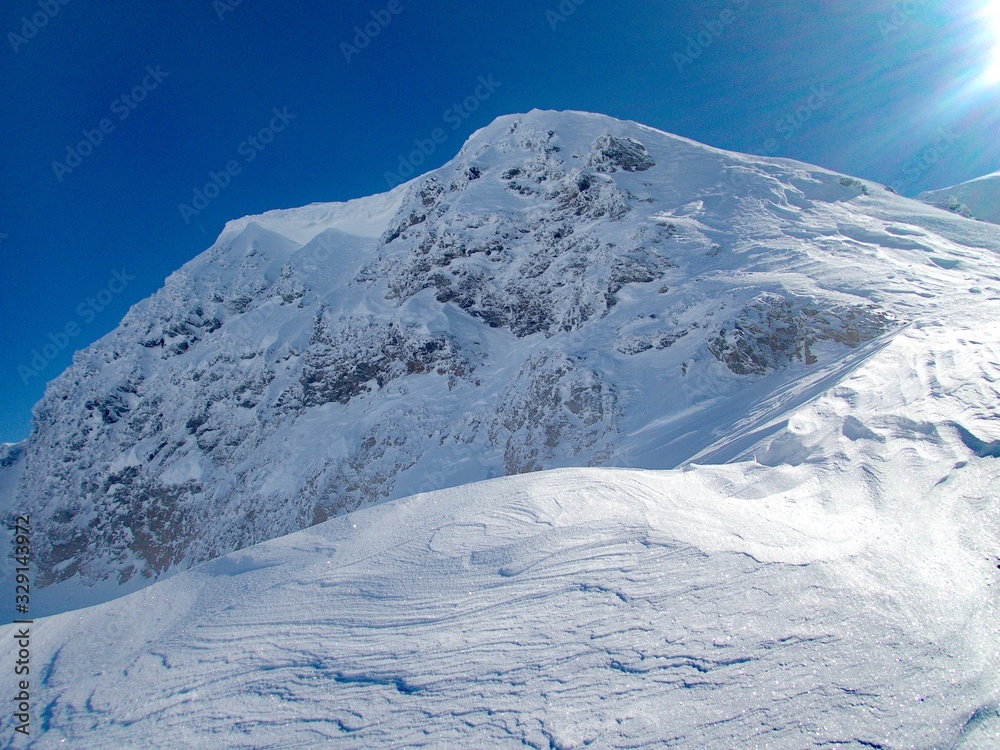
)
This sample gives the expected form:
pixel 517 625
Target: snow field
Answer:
pixel 845 597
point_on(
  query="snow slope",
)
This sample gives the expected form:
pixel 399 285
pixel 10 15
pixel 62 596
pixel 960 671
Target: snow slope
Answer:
pixel 978 198
pixel 837 589
pixel 569 291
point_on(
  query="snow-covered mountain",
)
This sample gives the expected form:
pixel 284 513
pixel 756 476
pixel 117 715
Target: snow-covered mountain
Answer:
pixel 570 290
pixel 978 198
pixel 840 591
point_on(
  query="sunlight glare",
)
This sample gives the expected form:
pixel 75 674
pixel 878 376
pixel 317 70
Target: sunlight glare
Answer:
pixel 991 15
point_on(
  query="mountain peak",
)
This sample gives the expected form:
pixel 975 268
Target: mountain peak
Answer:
pixel 569 290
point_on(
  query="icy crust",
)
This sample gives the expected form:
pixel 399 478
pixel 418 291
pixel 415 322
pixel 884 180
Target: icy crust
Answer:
pixel 570 290
pixel 842 590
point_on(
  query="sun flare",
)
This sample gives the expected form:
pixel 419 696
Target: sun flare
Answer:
pixel 991 16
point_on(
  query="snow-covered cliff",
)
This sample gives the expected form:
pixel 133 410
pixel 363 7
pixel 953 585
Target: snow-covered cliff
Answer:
pixel 570 290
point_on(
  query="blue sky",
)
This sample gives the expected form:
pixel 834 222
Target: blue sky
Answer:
pixel 114 114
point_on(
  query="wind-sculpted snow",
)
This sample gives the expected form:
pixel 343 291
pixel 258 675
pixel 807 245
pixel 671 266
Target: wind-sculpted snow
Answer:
pixel 570 290
pixel 841 591
pixel 975 199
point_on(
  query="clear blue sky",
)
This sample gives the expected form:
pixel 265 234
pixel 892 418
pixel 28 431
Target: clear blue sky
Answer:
pixel 172 91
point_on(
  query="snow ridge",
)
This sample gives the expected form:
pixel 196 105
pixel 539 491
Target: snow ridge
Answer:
pixel 975 199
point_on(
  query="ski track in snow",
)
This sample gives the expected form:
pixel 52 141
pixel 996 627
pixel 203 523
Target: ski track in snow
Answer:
pixel 838 597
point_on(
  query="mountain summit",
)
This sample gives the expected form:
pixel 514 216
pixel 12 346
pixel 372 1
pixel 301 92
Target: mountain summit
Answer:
pixel 569 290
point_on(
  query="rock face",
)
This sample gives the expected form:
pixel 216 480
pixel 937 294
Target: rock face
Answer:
pixel 611 154
pixel 772 331
pixel 569 290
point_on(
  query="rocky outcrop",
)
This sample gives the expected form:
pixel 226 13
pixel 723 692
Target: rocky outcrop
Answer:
pixel 554 411
pixel 774 330
pixel 611 154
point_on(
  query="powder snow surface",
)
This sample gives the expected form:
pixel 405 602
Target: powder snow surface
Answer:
pixel 838 591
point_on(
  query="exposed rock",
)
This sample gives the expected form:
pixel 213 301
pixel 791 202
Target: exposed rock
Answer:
pixel 611 154
pixel 552 410
pixel 774 330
